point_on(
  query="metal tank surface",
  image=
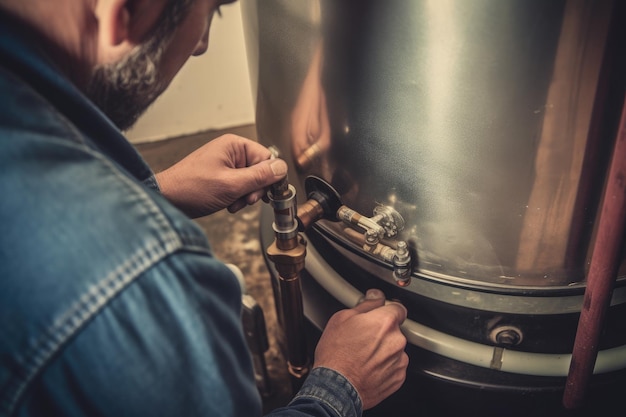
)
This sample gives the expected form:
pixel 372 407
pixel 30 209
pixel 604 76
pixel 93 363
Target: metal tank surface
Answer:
pixel 478 136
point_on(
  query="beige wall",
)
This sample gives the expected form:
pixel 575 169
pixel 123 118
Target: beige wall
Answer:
pixel 210 92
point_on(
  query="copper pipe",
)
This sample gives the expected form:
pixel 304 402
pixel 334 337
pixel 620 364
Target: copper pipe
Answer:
pixel 289 264
pixel 291 294
pixel 384 251
pixel 288 252
pixel 309 213
pixel 602 274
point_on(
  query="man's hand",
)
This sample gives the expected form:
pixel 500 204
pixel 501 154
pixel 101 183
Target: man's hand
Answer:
pixel 366 346
pixel 228 172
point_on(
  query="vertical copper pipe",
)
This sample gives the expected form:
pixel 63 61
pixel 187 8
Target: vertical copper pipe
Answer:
pixel 291 294
pixel 288 252
pixel 289 263
pixel 602 274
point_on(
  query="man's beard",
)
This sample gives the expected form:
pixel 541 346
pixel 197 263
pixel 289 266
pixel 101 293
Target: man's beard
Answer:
pixel 125 89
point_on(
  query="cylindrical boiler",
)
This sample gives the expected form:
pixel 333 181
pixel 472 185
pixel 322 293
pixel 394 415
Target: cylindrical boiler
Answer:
pixel 480 132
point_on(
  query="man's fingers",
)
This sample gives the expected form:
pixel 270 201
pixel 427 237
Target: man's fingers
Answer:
pixel 237 205
pixel 373 299
pixel 398 310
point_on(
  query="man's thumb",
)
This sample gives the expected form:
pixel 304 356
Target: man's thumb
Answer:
pixel 278 168
pixel 255 178
pixel 268 172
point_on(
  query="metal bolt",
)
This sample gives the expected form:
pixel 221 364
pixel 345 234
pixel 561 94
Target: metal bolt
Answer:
pixel 402 264
pixel 371 237
pixel 402 251
pixel 506 336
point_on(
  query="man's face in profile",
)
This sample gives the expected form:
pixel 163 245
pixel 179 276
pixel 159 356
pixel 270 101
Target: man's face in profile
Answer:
pixel 125 89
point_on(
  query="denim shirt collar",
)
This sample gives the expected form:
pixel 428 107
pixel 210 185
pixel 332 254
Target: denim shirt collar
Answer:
pixel 21 54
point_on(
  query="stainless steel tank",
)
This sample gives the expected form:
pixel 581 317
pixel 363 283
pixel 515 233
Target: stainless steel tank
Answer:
pixel 481 130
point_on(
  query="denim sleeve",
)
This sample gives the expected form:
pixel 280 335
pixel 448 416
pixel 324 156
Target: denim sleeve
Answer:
pixel 324 393
pixel 151 183
pixel 170 344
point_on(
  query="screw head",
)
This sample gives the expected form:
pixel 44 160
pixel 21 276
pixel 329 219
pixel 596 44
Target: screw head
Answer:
pixel 506 336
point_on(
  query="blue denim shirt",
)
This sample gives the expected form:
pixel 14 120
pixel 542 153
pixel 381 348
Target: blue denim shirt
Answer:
pixel 111 301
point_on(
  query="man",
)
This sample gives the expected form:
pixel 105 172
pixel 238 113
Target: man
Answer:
pixel 111 302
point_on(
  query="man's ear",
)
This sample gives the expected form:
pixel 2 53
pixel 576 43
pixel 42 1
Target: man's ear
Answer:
pixel 123 24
